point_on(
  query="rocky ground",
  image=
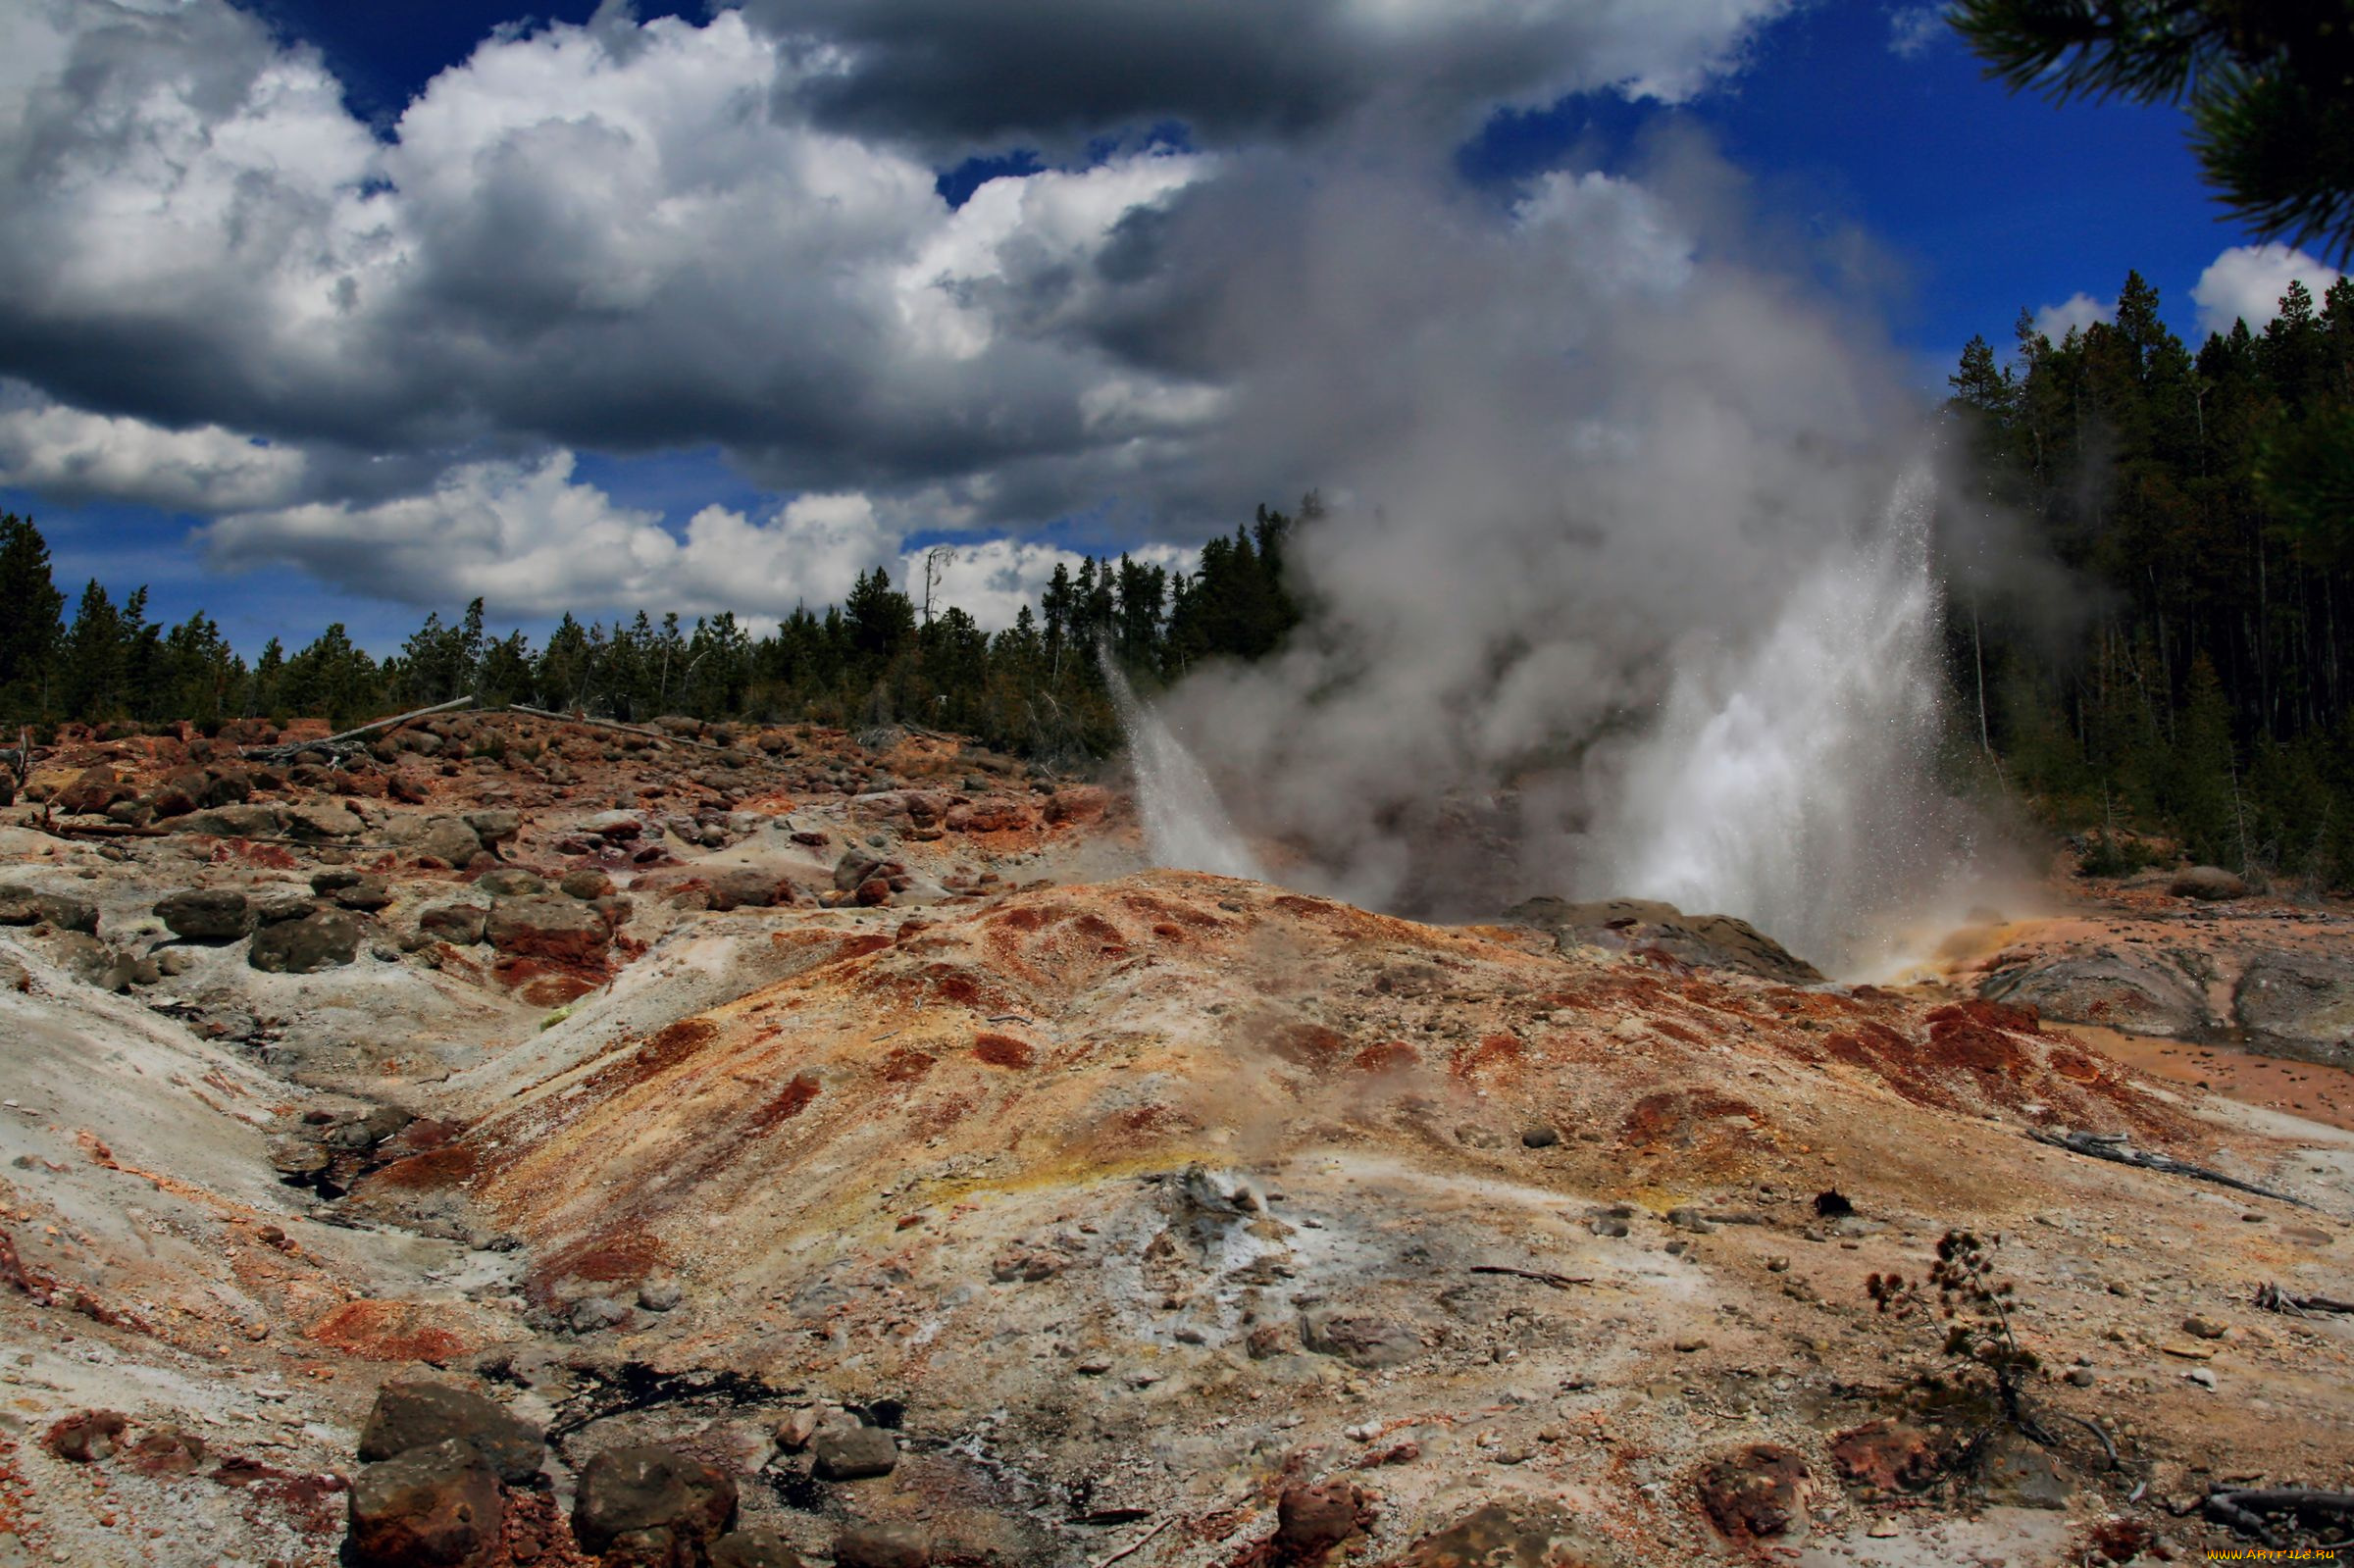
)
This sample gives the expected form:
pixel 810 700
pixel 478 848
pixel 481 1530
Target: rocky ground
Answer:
pixel 531 1142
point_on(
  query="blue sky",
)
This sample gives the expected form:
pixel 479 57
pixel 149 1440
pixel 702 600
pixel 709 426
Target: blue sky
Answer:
pixel 1977 202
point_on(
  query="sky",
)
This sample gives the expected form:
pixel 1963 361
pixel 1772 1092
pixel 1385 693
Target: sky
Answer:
pixel 312 311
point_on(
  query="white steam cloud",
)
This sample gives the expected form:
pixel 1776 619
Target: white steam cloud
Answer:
pixel 1624 590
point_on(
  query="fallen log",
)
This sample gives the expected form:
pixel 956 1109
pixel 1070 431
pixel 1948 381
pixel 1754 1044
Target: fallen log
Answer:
pixel 2243 1511
pixel 2272 1299
pixel 296 748
pixel 2112 1147
pixel 1560 1281
pixel 611 724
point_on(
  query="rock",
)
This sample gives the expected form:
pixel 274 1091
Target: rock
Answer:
pixel 1889 1455
pixel 2014 1473
pixel 88 1436
pixel 29 906
pixel 206 914
pixel 2204 1328
pixel 91 792
pixel 646 1499
pixel 328 939
pixel 510 881
pixel 1647 926
pixel 168 1452
pixel 361 893
pixel 1270 1340
pixel 548 926
pixel 1358 1339
pixel 447 840
pixel 460 924
pixel 874 893
pixel 274 904
pixel 854 1453
pixel 232 820
pixel 1311 1521
pixel 297 1158
pixel 618 826
pixel 415 1414
pixel 1513 1534
pixel 759 1547
pixel 2207 883
pixel 432 1506
pixel 2120 991
pixel 660 1296
pixel 745 888
pixel 495 825
pixel 1539 1138
pixel 97 963
pixel 1757 1493
pixel 322 823
pixel 2303 1003
pixel 588 883
pixel 893 1546
pixel 593 1313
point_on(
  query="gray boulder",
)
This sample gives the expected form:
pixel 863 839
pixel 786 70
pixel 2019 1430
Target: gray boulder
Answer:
pixel 2115 990
pixel 238 820
pixel 1644 924
pixel 495 825
pixel 854 1453
pixel 448 841
pixel 29 906
pixel 2301 1004
pixel 206 914
pixel 460 924
pixel 416 1414
pixel 326 939
pixel 652 1501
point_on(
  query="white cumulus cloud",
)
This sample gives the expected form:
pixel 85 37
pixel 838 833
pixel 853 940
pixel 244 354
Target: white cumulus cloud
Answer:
pixel 2073 313
pixel 2246 283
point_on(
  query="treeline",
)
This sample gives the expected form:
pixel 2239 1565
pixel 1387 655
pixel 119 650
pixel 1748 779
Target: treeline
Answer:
pixel 2196 689
pixel 876 658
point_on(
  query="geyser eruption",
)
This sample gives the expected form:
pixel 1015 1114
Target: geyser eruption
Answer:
pixel 1784 782
pixel 1611 596
pixel 1186 829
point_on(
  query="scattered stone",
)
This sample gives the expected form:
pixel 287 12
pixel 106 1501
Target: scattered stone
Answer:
pixel 29 906
pixel 88 1436
pixel 206 914
pixel 1358 1339
pixel 325 940
pixel 854 1453
pixel 547 926
pixel 891 1545
pixel 1888 1455
pixel 1758 1493
pixel 588 883
pixel 437 1504
pixel 1310 1522
pixel 1539 1138
pixel 758 1546
pixel 2014 1472
pixel 660 1296
pixel 460 924
pixel 2204 1328
pixel 410 1415
pixel 646 1499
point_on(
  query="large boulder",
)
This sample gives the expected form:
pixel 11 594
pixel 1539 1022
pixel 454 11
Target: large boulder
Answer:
pixel 206 914
pixel 2207 883
pixel 416 1414
pixel 231 822
pixel 1647 926
pixel 1359 1338
pixel 747 888
pixel 322 823
pixel 459 924
pixel 2119 991
pixel 447 840
pixel 1755 1493
pixel 495 825
pixel 2302 1005
pixel 509 881
pixel 854 1453
pixel 759 1546
pixel 91 792
pixel 29 906
pixel 326 939
pixel 546 925
pixel 651 1504
pixel 430 1507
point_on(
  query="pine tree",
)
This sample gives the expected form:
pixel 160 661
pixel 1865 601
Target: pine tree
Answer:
pixel 31 626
